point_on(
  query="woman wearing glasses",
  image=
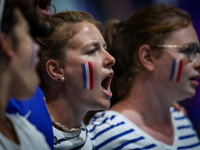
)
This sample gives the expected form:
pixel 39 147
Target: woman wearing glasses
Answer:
pixel 157 63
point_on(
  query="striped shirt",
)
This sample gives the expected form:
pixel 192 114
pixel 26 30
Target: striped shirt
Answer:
pixel 72 141
pixel 110 130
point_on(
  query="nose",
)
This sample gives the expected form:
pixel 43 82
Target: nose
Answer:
pixel 109 60
pixel 197 62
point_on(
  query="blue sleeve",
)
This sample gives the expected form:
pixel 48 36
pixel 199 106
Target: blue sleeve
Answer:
pixel 37 112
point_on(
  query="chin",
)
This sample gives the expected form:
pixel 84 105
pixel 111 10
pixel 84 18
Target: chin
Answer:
pixel 191 95
pixel 105 105
pixel 188 95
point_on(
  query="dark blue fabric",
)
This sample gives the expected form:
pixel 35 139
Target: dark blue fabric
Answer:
pixel 39 115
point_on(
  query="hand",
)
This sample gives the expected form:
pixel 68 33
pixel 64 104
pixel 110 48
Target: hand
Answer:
pixel 178 107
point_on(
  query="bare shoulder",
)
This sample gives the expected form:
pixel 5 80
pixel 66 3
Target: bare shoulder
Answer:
pixel 129 112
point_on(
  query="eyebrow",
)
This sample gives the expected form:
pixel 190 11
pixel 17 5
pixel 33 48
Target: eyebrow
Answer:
pixel 91 44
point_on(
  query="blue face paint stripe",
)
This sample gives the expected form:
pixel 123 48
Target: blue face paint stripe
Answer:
pixel 84 75
pixel 173 69
pixel 33 55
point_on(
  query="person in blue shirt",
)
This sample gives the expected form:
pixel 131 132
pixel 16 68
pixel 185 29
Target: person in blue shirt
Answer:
pixel 18 59
pixel 37 12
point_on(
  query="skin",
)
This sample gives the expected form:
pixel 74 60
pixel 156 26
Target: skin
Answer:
pixel 70 97
pixel 15 71
pixel 18 80
pixel 185 88
pixel 156 98
pixel 21 59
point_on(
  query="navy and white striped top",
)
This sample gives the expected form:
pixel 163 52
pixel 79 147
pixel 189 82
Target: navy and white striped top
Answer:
pixel 109 130
pixel 72 141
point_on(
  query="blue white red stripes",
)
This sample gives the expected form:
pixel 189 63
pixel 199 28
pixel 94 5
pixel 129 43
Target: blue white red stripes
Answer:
pixel 176 70
pixel 87 75
pixel 33 56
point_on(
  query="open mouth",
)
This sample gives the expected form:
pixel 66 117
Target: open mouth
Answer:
pixel 194 78
pixel 105 84
pixel 194 81
pixel 44 7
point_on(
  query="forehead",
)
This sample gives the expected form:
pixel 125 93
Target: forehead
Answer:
pixel 182 36
pixel 87 33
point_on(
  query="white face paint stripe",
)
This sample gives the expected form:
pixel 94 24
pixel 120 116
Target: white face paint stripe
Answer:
pixel 176 70
pixel 179 70
pixel 87 76
pixel 87 72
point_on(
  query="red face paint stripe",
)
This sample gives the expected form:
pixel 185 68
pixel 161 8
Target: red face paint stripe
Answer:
pixel 91 75
pixel 179 71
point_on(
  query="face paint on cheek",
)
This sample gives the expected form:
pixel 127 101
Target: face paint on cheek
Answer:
pixel 176 70
pixel 33 56
pixel 87 72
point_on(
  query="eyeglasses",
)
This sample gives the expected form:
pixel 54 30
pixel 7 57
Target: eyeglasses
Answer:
pixel 191 49
pixel 1 12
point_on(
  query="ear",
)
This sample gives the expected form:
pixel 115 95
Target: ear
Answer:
pixel 146 57
pixel 6 46
pixel 54 70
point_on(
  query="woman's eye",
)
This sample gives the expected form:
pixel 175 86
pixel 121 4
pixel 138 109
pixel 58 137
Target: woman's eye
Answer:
pixel 92 52
pixel 185 51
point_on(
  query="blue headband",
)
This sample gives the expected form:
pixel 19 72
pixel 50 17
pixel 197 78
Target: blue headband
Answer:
pixel 2 2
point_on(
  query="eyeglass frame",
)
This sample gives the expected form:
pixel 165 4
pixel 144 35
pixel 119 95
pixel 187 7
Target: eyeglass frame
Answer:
pixel 184 46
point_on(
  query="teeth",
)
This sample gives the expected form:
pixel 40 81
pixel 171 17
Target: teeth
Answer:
pixel 107 91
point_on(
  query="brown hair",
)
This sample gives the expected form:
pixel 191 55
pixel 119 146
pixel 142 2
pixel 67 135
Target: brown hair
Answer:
pixel 67 24
pixel 149 25
pixel 9 20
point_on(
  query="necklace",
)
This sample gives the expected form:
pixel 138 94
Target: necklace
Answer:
pixel 64 127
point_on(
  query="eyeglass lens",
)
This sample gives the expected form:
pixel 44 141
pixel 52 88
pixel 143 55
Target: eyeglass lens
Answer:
pixel 193 49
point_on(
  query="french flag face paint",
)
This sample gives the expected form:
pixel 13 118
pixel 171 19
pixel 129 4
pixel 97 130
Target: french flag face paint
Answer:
pixel 176 70
pixel 87 75
pixel 33 56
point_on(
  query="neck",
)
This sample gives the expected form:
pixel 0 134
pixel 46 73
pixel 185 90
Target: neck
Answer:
pixel 65 113
pixel 5 91
pixel 146 105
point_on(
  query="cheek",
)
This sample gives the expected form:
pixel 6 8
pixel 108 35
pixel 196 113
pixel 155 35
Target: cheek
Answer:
pixel 176 70
pixel 87 75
